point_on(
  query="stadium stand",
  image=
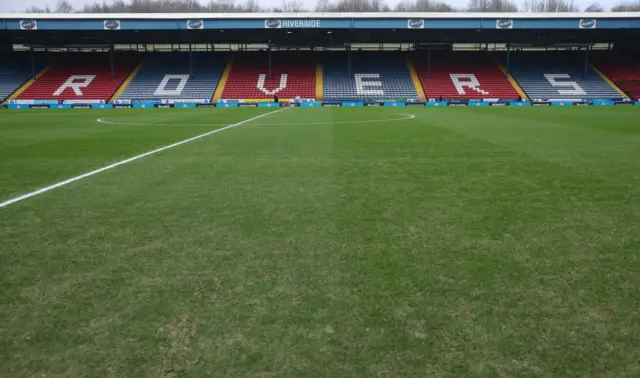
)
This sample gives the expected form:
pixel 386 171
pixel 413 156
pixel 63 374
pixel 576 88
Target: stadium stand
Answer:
pixel 559 75
pixel 293 74
pixel 463 75
pixel 80 76
pixel 624 72
pixel 373 76
pixel 167 76
pixel 15 70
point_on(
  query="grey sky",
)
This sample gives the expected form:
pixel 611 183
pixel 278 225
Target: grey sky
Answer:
pixel 19 5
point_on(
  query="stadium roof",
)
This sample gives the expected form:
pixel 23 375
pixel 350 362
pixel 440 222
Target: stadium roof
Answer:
pixel 319 29
pixel 318 15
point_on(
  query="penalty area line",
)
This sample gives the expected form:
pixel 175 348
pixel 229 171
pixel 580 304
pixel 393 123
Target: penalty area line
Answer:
pixel 126 161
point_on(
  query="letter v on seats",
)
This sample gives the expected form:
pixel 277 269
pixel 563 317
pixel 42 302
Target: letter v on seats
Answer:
pixel 262 78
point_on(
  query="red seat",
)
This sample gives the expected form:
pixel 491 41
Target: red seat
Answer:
pixel 291 76
pixel 464 76
pixel 85 76
pixel 624 73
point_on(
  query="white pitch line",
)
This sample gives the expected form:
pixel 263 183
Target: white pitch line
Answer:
pixel 405 117
pixel 129 160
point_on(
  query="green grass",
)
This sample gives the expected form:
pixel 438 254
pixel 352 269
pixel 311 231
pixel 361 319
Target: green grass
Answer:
pixel 315 243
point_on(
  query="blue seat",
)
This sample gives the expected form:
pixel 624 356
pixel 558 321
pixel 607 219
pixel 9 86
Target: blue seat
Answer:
pixel 558 75
pixel 165 76
pixel 373 75
pixel 14 72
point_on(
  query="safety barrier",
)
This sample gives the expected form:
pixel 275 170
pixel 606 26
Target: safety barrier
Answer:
pixel 44 105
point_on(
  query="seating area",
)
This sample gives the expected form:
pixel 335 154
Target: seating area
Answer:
pixel 463 75
pixel 368 76
pixel 373 76
pixel 559 76
pixel 170 76
pixel 293 74
pixel 624 72
pixel 15 70
pixel 80 76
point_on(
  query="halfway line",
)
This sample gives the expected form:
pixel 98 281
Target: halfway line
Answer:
pixel 129 160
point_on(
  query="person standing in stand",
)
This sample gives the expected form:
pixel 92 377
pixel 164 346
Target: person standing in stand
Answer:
pixel 275 98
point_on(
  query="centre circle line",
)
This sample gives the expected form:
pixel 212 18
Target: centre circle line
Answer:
pixel 108 122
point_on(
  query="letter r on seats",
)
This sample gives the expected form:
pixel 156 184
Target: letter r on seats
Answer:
pixel 466 80
pixel 75 82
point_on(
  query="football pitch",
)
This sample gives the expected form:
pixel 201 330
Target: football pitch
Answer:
pixel 320 242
